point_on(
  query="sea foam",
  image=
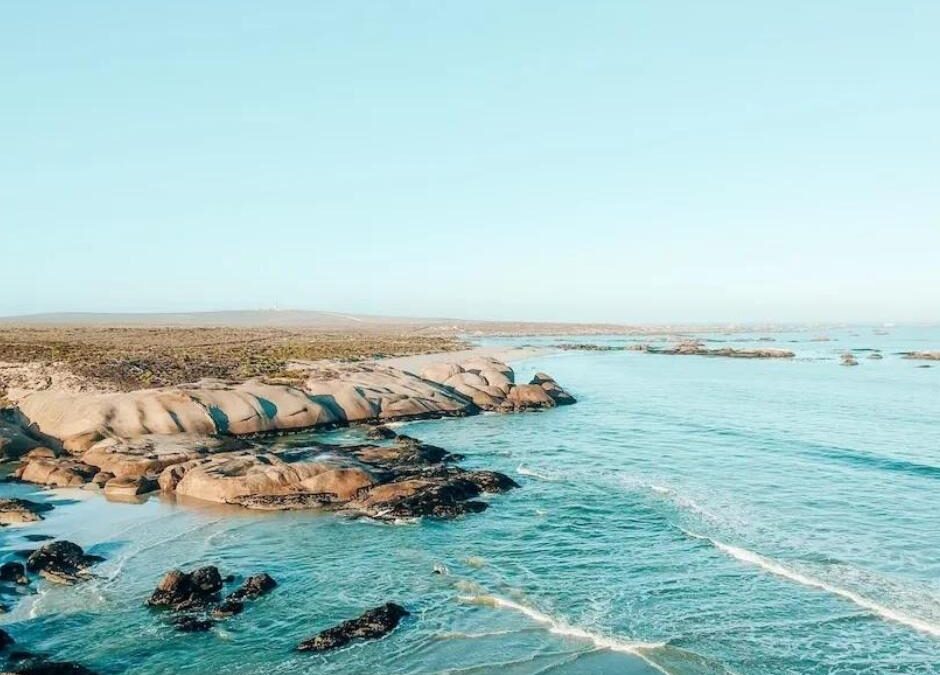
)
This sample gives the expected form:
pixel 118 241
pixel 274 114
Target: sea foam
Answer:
pixel 775 568
pixel 559 627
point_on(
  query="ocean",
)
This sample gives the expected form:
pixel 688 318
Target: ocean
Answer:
pixel 689 515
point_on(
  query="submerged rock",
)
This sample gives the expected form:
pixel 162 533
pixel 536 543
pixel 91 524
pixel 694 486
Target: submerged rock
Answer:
pixel 191 623
pixel 697 348
pixel 373 624
pixel 14 511
pixel 253 587
pixel 62 562
pixel 848 359
pixel 922 355
pixel 5 640
pixel 38 665
pixel 180 590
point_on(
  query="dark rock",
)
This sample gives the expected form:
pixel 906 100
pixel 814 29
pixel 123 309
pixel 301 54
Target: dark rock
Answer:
pixel 180 590
pixel 5 640
pixel 380 432
pixel 38 537
pixel 62 562
pixel 14 572
pixel 445 500
pixel 37 665
pixel 373 624
pixel 228 607
pixel 289 502
pixel 190 623
pixel 15 511
pixel 491 481
pixel 253 587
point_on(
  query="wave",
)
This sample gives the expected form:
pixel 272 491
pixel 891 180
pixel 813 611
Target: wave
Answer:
pixel 777 569
pixel 684 503
pixel 559 627
pixel 532 473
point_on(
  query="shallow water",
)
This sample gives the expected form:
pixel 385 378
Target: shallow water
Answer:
pixel 689 515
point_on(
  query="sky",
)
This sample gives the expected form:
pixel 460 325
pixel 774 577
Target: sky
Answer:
pixel 587 161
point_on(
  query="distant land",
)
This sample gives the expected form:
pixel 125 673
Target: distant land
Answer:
pixel 342 321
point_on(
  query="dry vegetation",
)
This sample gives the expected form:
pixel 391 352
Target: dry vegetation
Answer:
pixel 134 358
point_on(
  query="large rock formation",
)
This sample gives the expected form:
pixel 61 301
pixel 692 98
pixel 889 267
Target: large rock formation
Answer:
pixel 191 441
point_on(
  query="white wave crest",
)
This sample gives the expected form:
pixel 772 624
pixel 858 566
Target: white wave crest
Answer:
pixel 559 627
pixel 779 570
pixel 532 473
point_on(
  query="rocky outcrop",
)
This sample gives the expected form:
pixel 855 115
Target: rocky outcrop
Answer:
pixel 491 385
pixel 344 394
pixel 191 440
pixel 253 587
pixel 62 562
pixel 697 348
pixel 17 511
pixel 373 624
pixel 194 597
pixel 181 591
pixel 922 356
pixel 151 453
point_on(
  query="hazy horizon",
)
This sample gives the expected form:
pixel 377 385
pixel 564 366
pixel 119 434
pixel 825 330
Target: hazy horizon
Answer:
pixel 587 162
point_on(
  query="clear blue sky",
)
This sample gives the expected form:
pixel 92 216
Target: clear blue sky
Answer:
pixel 620 161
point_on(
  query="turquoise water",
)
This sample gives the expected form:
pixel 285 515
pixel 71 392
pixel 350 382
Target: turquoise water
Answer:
pixel 689 515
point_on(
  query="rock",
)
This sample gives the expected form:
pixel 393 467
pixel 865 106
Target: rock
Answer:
pixel 696 348
pixel 127 486
pixel 254 587
pixel 180 590
pixel 5 640
pixel 227 608
pixel 553 389
pixel 41 453
pixel 101 479
pixel 231 477
pixel 190 623
pixel 373 624
pixel 151 454
pixel 848 359
pixel 15 511
pixel 37 665
pixel 346 393
pixel 528 397
pixel 876 356
pixel 61 472
pixel 62 562
pixel 14 572
pixel 413 498
pixel 380 432
pixel 922 355
pixel 14 441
